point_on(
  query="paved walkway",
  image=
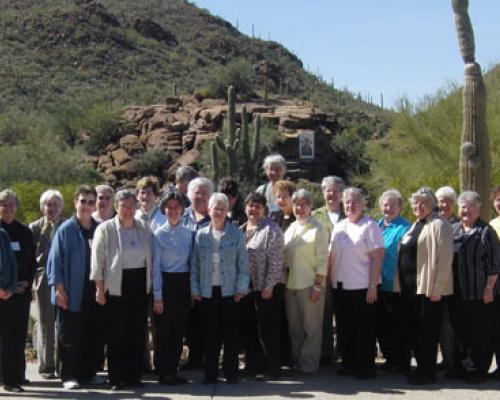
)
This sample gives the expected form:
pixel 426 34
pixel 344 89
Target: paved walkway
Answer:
pixel 326 385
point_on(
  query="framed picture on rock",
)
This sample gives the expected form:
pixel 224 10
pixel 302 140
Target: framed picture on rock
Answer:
pixel 306 144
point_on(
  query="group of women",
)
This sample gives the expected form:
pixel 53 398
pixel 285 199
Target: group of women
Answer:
pixel 263 276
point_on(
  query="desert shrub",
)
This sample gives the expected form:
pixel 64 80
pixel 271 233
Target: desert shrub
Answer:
pixel 152 162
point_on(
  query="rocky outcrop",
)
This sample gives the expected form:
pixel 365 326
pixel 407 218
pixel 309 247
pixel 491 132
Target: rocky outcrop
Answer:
pixel 182 124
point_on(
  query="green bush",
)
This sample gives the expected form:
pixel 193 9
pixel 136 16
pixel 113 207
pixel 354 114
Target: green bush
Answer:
pixel 152 162
pixel 237 73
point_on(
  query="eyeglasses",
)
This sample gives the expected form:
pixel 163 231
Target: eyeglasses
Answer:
pixel 87 202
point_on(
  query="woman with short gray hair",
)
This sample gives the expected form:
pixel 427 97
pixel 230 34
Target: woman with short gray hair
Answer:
pixel 104 203
pixel 44 229
pixel 476 265
pixel 219 280
pixel 447 200
pixel 121 268
pixel 274 166
pixel 356 254
pixel 424 276
pixel 306 259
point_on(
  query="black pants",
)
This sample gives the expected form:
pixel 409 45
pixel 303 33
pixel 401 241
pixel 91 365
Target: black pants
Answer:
pixel 496 339
pixel 126 317
pixel 421 325
pixel 194 334
pixel 14 315
pixel 389 326
pixel 356 321
pixel 473 323
pixel 172 324
pixel 262 322
pixel 79 340
pixel 220 322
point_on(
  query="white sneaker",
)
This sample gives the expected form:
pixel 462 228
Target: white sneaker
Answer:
pixel 97 380
pixel 71 384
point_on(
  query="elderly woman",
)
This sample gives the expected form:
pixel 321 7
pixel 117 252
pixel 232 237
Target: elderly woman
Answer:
pixel 424 276
pixel 73 294
pixel 172 247
pixel 230 188
pixel 274 167
pixel 306 259
pixel 8 331
pixel 44 229
pixel 195 217
pixel 21 240
pixel 121 269
pixel 265 245
pixel 283 192
pixel 357 250
pixel 495 223
pixel 219 280
pixel 328 216
pixel 447 201
pixel 495 198
pixel 476 265
pixel 393 226
pixel 104 208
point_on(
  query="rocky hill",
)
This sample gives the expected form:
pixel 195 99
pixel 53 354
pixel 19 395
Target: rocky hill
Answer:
pixel 64 64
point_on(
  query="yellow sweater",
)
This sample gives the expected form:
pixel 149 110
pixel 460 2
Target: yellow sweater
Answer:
pixel 495 223
pixel 306 253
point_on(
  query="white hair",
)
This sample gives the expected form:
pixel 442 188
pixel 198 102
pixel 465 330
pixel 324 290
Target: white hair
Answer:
pixel 426 194
pixel 332 180
pixel 357 193
pixel 199 182
pixel 216 198
pixel 392 193
pixel 51 194
pixel 303 194
pixel 448 193
pixel 470 197
pixel 274 159
pixel 105 188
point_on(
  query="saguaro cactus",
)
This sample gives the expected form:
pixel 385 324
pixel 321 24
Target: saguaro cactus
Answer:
pixel 251 160
pixel 231 145
pixel 475 155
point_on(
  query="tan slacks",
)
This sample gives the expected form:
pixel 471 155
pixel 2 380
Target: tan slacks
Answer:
pixel 305 325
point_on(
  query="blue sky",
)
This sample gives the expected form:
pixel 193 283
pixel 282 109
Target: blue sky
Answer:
pixel 395 47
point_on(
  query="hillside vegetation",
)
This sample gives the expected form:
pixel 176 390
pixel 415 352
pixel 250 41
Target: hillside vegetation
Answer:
pixel 422 147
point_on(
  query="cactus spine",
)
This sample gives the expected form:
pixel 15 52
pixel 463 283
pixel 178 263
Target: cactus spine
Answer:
pixel 475 154
pixel 230 147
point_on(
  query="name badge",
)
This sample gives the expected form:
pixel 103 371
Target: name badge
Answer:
pixel 15 246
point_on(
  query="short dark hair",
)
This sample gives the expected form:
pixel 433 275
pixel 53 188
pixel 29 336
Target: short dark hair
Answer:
pixel 255 197
pixel 172 194
pixel 228 186
pixel 84 189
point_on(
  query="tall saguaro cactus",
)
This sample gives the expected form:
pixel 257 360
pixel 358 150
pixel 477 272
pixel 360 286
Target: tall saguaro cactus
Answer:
pixel 475 154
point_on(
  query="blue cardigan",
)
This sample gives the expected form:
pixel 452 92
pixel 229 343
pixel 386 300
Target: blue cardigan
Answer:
pixel 8 266
pixel 66 263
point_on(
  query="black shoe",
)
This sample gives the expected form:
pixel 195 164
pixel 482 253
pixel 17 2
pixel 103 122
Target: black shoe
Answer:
pixel 421 379
pixel 209 381
pixel 366 375
pixel 135 384
pixel 172 380
pixel 190 365
pixel 116 387
pixel 232 380
pixel 13 388
pixel 24 381
pixel 454 375
pixel 476 377
pixel 345 371
pixel 325 361
pixel 48 375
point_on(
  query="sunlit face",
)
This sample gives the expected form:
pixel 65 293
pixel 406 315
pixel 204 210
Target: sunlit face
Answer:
pixel 284 200
pixel 469 212
pixel 126 210
pixel 301 209
pixel 496 203
pixel 255 212
pixel 104 203
pixel 421 208
pixel 8 209
pixel 446 206
pixel 353 207
pixel 390 208
pixel 275 172
pixel 218 213
pixel 146 198
pixel 173 211
pixel 200 195
pixel 52 209
pixel 333 196
pixel 84 205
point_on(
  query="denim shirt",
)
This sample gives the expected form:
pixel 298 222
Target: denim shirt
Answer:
pixel 392 233
pixel 172 248
pixel 189 221
pixel 235 277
